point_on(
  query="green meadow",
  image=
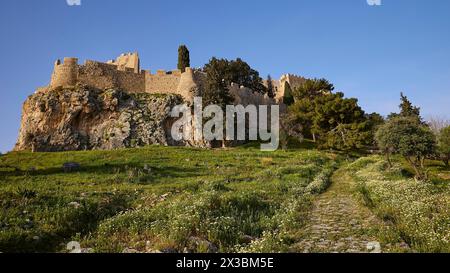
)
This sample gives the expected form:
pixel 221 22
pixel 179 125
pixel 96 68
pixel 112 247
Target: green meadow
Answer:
pixel 173 199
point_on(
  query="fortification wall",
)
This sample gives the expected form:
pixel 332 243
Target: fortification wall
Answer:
pixel 162 82
pixel 127 61
pixel 275 84
pixel 131 82
pixel 102 76
pixel 293 80
pixel 65 74
pixel 124 73
pixel 98 75
pixel 191 84
pixel 245 96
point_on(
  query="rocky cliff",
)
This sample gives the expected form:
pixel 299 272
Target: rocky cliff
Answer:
pixel 82 118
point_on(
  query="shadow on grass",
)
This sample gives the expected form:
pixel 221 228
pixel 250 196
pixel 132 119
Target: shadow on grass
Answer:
pixel 108 169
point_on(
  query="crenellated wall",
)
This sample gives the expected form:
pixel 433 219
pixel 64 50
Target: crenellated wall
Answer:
pixel 65 74
pixel 124 73
pixel 127 62
pixel 121 74
pixel 102 76
pixel 162 82
pixel 294 81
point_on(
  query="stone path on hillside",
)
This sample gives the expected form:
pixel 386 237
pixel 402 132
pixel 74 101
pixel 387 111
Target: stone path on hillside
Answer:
pixel 338 222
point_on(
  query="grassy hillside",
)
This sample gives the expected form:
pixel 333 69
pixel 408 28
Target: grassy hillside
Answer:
pixel 159 199
pixel 417 213
pixel 169 199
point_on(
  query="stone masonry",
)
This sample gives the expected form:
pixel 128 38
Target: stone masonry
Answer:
pixel 125 74
pixel 115 105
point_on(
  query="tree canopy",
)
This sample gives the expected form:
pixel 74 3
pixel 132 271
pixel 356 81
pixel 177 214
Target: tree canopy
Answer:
pixel 330 119
pixel 216 88
pixel 406 136
pixel 288 97
pixel 407 109
pixel 312 88
pixel 444 145
pixel 238 72
pixel 222 72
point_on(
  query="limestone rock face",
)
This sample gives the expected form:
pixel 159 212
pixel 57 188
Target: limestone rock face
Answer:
pixel 82 118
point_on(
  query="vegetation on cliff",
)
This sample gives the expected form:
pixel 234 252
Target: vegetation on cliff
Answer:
pixel 84 118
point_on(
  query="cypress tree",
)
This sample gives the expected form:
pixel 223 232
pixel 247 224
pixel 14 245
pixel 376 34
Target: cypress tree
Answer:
pixel 270 89
pixel 183 58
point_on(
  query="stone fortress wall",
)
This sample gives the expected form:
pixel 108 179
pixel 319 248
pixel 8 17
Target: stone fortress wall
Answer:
pixel 162 81
pixel 98 75
pixel 65 73
pixel 102 76
pixel 294 81
pixel 125 73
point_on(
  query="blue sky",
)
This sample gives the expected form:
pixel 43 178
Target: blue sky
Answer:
pixel 371 53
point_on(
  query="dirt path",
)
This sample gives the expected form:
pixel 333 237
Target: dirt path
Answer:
pixel 338 222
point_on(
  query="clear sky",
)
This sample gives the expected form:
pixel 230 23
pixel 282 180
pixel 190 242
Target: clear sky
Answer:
pixel 369 52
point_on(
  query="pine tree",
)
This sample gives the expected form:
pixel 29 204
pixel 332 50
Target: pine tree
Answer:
pixel 312 88
pixel 270 88
pixel 183 58
pixel 221 73
pixel 216 86
pixel 407 110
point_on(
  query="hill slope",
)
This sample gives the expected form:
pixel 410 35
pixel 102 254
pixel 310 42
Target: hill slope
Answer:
pixel 159 199
pixel 174 199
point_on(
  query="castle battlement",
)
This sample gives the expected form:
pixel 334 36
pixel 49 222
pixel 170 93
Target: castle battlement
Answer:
pixel 65 73
pixel 124 73
pixel 127 62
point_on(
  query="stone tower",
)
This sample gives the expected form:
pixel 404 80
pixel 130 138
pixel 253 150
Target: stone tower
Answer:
pixel 127 61
pixel 65 74
pixel 188 88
